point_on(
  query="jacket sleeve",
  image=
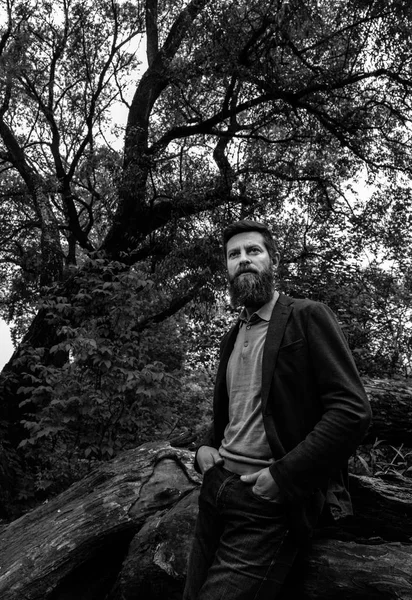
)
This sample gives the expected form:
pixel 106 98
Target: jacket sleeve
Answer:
pixel 345 410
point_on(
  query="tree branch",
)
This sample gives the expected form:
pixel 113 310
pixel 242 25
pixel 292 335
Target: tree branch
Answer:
pixel 175 305
pixel 207 125
pixel 152 33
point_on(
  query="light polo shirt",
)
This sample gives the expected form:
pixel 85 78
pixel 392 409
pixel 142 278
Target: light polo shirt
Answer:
pixel 244 439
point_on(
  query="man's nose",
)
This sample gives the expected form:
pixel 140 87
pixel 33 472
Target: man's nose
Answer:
pixel 244 259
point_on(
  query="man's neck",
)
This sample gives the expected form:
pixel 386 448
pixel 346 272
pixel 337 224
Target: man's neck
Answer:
pixel 252 309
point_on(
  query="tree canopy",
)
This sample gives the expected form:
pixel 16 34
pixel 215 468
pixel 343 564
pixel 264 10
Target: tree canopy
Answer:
pixel 294 112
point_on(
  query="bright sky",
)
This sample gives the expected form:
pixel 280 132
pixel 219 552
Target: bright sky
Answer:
pixel 6 347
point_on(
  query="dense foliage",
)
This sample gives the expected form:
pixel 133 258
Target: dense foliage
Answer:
pixel 114 384
pixel 295 112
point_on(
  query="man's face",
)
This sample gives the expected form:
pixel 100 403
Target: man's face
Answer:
pixel 250 269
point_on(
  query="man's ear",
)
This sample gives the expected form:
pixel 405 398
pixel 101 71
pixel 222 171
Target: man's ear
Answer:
pixel 276 260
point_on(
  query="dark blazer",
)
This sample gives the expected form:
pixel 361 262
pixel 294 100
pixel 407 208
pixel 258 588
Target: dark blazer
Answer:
pixel 314 406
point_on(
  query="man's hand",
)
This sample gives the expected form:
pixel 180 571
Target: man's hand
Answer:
pixel 207 457
pixel 264 485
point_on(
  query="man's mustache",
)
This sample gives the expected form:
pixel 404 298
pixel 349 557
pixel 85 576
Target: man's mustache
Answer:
pixel 243 270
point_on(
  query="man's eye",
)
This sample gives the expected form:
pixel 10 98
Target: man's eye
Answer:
pixel 254 250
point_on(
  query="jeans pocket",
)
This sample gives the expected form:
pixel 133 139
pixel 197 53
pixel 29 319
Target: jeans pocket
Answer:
pixel 267 501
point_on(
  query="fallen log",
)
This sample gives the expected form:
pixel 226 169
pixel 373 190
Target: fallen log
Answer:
pixel 332 569
pixel 124 532
pixel 391 402
pixel 96 516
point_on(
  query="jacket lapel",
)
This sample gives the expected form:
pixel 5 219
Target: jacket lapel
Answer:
pixel 226 351
pixel 276 329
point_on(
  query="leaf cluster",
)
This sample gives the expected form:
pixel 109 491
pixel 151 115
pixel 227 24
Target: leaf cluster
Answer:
pixel 107 385
pixel 381 459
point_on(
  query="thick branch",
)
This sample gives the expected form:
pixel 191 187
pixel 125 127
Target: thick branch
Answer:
pixel 207 126
pixel 181 26
pixel 151 31
pixel 16 154
pixel 174 307
pixel 132 190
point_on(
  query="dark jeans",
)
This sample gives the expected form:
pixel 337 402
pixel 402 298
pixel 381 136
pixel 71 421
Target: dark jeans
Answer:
pixel 242 549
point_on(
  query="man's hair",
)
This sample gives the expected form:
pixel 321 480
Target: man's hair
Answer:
pixel 245 225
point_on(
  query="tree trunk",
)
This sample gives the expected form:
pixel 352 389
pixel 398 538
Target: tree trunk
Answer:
pixel 124 532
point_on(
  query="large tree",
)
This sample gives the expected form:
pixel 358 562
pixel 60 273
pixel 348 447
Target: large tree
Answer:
pixel 276 110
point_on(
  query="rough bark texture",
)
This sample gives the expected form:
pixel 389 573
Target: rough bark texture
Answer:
pixel 391 402
pixel 124 532
pixel 97 516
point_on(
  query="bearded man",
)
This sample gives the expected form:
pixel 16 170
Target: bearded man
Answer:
pixel 289 410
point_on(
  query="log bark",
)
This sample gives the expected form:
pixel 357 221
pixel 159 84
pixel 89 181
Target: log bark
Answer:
pixel 391 402
pixel 331 568
pixel 94 518
pixel 124 533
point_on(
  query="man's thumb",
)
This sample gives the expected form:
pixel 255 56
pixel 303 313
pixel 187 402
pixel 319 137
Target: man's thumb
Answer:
pixel 251 478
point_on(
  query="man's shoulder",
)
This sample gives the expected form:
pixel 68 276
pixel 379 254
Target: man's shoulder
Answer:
pixel 305 307
pixel 300 303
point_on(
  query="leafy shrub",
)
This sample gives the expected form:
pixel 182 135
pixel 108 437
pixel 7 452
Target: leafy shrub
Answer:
pixel 101 389
pixel 380 458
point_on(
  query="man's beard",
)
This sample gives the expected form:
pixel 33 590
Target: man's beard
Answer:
pixel 252 289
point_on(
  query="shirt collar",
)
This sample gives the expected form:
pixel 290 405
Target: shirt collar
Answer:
pixel 264 311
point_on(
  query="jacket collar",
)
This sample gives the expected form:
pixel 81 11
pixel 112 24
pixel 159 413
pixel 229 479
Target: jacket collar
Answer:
pixel 276 329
